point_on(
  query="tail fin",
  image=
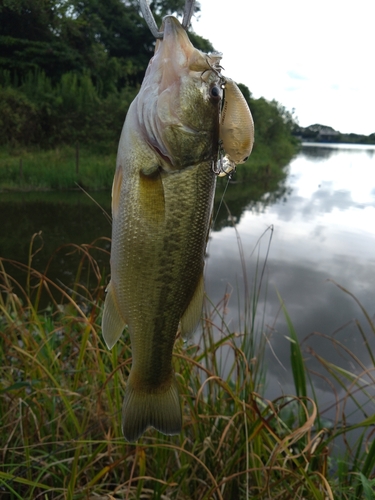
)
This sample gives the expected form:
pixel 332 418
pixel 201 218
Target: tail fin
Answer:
pixel 141 410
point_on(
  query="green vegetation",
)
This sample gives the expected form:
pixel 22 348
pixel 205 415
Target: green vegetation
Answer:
pixel 61 394
pixel 91 165
pixel 74 134
pixel 68 73
pixel 69 70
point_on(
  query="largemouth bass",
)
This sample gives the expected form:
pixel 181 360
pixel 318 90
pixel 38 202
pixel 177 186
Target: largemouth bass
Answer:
pixel 162 199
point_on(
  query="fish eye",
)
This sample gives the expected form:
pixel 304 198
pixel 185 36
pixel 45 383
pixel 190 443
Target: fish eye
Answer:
pixel 215 92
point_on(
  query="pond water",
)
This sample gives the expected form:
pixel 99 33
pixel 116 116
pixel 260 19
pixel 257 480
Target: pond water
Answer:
pixel 323 230
pixel 321 216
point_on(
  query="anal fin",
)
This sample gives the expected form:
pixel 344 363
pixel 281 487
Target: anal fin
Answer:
pixel 193 312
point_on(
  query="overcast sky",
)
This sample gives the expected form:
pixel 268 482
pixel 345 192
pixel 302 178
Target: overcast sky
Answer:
pixel 316 57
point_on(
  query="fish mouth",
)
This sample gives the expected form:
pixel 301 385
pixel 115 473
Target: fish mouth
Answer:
pixel 177 46
pixel 176 56
pixel 176 75
pixel 173 51
pixel 173 28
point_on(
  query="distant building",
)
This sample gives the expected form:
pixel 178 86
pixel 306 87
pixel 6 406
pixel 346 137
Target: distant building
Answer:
pixel 323 133
pixel 318 133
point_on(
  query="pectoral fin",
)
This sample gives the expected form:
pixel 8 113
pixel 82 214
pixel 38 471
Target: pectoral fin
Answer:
pixel 116 191
pixel 112 322
pixel 193 312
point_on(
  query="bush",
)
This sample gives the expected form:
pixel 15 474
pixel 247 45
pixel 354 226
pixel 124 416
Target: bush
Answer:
pixel 19 118
pixel 38 112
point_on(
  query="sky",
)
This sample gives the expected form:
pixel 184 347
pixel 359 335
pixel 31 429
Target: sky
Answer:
pixel 317 58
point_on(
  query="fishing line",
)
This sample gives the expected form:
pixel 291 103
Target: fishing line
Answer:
pixel 105 213
pixel 221 200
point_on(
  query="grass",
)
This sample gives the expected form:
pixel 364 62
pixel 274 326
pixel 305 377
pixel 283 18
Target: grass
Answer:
pixel 60 168
pixel 61 394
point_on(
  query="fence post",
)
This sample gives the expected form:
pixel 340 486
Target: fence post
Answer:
pixel 77 158
pixel 21 171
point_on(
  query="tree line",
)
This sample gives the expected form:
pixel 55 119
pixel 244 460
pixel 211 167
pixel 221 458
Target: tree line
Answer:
pixel 69 70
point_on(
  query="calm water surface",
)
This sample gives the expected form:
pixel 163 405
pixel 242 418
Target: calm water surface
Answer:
pixel 323 229
pixel 323 219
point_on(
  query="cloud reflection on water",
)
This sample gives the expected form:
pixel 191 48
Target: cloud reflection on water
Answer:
pixel 324 230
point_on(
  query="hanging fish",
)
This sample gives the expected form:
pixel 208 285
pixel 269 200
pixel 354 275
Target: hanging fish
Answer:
pixel 162 198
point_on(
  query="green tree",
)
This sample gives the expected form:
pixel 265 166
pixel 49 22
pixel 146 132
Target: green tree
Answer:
pixel 70 68
pixel 109 39
pixel 31 37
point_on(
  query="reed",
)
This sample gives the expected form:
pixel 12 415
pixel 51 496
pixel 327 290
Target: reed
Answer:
pixel 61 395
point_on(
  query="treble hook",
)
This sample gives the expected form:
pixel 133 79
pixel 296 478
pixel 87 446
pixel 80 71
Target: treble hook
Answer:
pixel 149 18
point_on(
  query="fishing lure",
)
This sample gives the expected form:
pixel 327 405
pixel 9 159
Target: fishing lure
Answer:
pixel 236 130
pixel 236 125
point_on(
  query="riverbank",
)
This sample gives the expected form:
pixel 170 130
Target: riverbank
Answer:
pixel 72 167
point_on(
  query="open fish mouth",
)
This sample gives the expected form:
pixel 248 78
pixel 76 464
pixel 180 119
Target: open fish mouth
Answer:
pixel 172 53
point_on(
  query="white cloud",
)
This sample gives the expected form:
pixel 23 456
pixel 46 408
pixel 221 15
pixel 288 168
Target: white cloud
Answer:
pixel 316 58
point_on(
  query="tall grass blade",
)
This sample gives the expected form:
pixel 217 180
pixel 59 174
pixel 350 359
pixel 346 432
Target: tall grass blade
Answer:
pixel 61 394
pixel 296 358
